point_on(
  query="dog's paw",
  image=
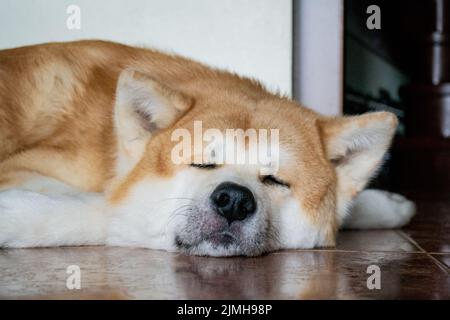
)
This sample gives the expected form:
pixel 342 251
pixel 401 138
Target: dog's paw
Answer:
pixel 374 209
pixel 21 212
pixel 32 219
pixel 404 208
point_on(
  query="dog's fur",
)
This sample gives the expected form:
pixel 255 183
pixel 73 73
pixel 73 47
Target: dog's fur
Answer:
pixel 85 146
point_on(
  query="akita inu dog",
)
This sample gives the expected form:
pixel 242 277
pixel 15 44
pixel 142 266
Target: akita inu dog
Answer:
pixel 87 144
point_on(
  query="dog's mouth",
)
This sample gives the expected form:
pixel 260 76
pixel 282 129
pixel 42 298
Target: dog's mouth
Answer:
pixel 223 239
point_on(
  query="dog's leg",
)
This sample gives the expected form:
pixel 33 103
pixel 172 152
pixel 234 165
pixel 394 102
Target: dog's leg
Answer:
pixel 377 209
pixel 45 212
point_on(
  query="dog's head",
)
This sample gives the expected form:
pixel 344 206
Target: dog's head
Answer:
pixel 231 172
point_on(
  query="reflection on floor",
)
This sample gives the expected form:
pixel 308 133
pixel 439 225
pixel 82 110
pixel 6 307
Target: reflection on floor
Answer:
pixel 414 263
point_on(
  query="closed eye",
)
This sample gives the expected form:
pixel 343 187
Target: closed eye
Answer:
pixel 272 180
pixel 204 165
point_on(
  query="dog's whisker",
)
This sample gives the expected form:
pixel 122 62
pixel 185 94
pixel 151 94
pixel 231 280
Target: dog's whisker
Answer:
pixel 180 211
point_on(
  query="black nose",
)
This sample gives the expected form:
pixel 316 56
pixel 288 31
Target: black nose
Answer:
pixel 233 201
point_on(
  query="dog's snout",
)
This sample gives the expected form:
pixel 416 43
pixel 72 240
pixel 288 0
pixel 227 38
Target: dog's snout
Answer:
pixel 233 201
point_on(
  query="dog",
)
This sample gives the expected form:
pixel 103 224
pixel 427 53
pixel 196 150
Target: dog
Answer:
pixel 88 134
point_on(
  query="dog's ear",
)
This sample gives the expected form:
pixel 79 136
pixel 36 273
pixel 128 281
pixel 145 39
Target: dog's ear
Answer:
pixel 142 107
pixel 356 145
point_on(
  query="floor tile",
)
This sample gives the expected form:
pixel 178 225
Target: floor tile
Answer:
pixel 431 226
pixel 148 274
pixel 374 240
pixel 430 240
pixel 444 259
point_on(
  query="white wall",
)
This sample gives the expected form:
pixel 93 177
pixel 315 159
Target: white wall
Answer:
pixel 318 56
pixel 251 37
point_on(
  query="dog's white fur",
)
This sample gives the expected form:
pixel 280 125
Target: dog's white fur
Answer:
pixel 33 219
pixel 63 216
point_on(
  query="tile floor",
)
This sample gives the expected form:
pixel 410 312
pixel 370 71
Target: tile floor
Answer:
pixel 414 264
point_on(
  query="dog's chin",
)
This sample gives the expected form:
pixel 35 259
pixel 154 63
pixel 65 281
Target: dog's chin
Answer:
pixel 218 245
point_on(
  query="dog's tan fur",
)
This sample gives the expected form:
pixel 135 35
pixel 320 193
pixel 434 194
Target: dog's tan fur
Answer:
pixel 56 120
